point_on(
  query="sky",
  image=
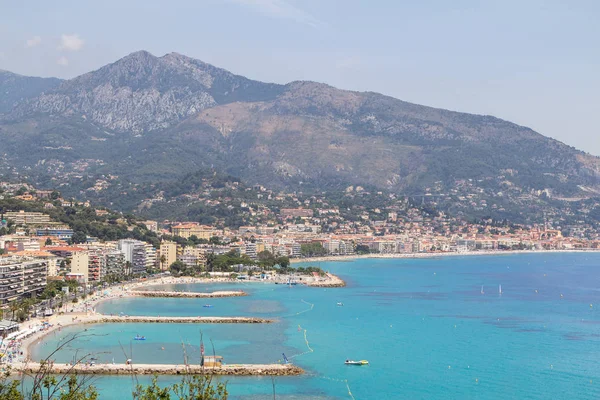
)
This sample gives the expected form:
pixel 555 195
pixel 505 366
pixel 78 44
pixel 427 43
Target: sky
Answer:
pixel 533 62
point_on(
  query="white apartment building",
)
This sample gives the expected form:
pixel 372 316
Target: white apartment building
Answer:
pixel 21 277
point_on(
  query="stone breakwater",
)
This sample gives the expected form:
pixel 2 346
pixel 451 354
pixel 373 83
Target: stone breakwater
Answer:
pixel 178 320
pixel 164 369
pixel 149 293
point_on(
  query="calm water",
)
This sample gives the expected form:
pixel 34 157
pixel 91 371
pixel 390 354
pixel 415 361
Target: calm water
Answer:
pixel 424 325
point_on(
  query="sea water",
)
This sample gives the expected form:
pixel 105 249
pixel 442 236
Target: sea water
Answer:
pixel 424 325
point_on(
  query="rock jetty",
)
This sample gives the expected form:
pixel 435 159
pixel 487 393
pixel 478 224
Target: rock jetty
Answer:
pixel 151 293
pixel 178 320
pixel 165 369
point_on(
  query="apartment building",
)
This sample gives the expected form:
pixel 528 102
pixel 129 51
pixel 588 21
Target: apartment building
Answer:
pixel 151 256
pixel 27 218
pixel 20 278
pixel 192 229
pixel 169 251
pixel 80 263
pixel 114 263
pixel 135 254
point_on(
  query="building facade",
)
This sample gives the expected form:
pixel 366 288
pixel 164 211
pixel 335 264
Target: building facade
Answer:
pixel 21 278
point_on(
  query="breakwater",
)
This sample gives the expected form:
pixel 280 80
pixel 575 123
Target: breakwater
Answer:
pixel 330 281
pixel 164 369
pixel 150 293
pixel 177 320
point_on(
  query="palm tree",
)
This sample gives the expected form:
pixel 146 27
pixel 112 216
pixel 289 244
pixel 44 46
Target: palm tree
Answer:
pixel 14 307
pixel 163 260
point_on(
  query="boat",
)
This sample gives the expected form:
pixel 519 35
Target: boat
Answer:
pixel 499 289
pixel 207 305
pixel 482 292
pixel 340 303
pixel 138 337
pixel 352 362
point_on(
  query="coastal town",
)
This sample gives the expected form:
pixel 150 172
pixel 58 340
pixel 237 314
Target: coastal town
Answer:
pixel 68 241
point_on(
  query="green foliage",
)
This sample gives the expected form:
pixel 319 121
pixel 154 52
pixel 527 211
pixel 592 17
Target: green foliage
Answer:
pixel 312 250
pixel 191 387
pixel 224 262
pixel 84 222
pixel 178 268
pixel 362 249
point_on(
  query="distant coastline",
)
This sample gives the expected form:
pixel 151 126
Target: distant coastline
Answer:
pixel 352 257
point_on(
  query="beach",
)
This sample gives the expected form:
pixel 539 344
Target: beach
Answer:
pixel 84 312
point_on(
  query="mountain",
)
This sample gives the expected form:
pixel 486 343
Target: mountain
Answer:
pixel 16 88
pixel 141 92
pixel 145 119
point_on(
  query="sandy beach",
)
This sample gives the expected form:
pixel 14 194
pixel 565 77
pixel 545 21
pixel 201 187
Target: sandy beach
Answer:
pixel 352 257
pixel 84 312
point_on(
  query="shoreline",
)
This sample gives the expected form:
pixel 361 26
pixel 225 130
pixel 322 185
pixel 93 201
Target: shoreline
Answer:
pixel 84 311
pixel 352 257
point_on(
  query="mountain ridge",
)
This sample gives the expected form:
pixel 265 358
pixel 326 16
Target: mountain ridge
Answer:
pixel 147 118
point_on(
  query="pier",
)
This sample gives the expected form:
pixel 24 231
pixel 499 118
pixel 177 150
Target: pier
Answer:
pixel 150 293
pixel 163 369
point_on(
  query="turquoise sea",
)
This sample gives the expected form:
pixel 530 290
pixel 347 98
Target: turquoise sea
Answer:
pixel 423 324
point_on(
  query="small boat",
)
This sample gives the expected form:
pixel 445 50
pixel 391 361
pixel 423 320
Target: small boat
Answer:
pixel 352 362
pixel 207 305
pixel 499 289
pixel 138 337
pixel 340 303
pixel 482 292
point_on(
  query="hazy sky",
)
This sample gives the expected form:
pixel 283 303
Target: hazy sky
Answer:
pixel 533 62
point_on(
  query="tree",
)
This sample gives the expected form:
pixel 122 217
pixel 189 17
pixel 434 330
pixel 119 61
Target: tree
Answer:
pixel 48 242
pixel 283 262
pixel 163 260
pixel 312 250
pixel 191 387
pixel 362 249
pixel 54 195
pixel 13 307
pixel 79 237
pixel 215 240
pixel 266 259
pixel 178 268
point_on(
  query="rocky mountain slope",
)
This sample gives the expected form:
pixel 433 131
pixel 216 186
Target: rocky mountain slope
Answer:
pixel 15 88
pixel 147 119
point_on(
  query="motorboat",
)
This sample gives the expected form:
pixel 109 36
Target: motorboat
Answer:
pixel 138 337
pixel 340 303
pixel 352 362
pixel 207 305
